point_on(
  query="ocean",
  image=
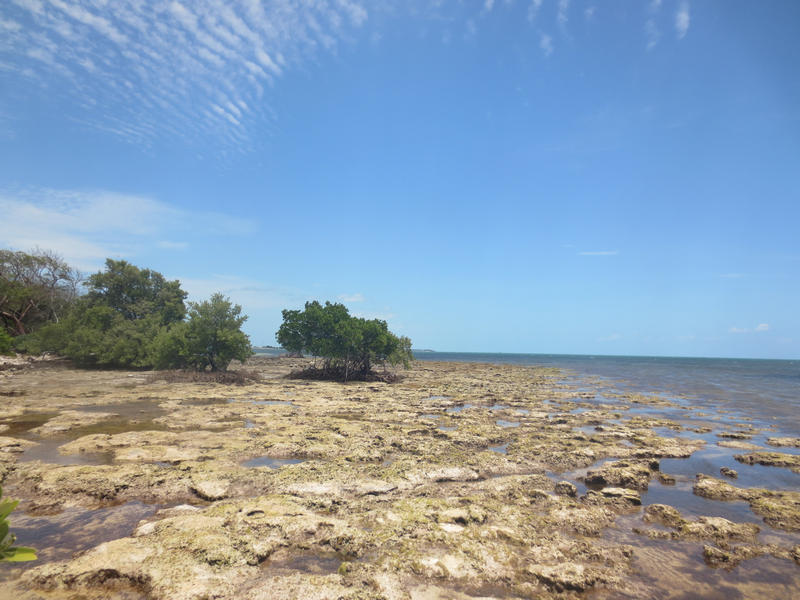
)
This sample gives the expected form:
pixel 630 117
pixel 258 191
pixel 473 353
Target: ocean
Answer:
pixel 763 392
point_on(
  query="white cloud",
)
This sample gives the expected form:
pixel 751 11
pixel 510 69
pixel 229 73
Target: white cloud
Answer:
pixel 168 245
pixel 533 9
pixel 383 316
pixel 156 70
pixel 487 5
pixel 562 16
pixel 761 327
pixel 546 44
pixel 351 297
pixel 251 294
pixel 651 30
pixel 652 33
pixel 87 227
pixel 599 253
pixel 588 13
pixel 682 19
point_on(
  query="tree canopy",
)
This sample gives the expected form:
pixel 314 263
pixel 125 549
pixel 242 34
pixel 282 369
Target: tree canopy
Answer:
pixel 35 288
pixel 116 322
pixel 133 317
pixel 136 293
pixel 349 345
pixel 210 339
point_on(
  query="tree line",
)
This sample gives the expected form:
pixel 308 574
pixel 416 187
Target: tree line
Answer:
pixel 129 317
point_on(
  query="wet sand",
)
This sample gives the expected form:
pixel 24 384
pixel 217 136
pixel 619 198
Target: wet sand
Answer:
pixel 462 480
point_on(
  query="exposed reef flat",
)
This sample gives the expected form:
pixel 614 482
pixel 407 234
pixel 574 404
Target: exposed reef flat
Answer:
pixel 133 487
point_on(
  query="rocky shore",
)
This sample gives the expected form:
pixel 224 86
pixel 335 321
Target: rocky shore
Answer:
pixel 459 481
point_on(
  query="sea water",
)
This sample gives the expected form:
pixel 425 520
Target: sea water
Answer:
pixel 766 391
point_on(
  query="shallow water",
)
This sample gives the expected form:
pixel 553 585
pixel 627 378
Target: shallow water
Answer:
pixel 457 409
pixel 47 451
pixel 677 570
pixel 272 463
pixel 764 390
pixel 59 536
pixel 283 563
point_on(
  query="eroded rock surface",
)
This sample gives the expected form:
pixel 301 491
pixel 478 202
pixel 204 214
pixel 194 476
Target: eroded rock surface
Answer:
pixel 362 491
pixel 780 509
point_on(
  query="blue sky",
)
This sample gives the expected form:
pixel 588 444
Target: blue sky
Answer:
pixel 522 176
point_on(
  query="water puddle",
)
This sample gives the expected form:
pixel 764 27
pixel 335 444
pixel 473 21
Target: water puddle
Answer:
pixel 262 402
pixel 58 537
pixel 502 423
pixel 272 463
pixel 446 428
pixel 498 407
pixel 22 424
pixel 323 563
pixel 429 416
pixel 46 451
pixel 248 424
pixel 457 409
pixel 503 449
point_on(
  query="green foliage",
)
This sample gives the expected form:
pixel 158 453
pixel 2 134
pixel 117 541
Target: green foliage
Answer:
pixel 5 342
pixel 210 339
pixel 349 345
pixel 402 354
pixel 35 288
pixel 8 551
pixel 118 321
pixel 136 293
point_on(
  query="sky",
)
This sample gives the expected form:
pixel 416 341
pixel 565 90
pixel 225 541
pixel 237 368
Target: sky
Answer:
pixel 544 176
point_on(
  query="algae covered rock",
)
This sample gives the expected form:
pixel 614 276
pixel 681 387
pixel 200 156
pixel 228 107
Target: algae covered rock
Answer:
pixel 771 459
pixel 211 489
pixel 779 509
pixel 565 488
pixel 783 442
pixel 621 474
pixel 615 496
pixel 714 528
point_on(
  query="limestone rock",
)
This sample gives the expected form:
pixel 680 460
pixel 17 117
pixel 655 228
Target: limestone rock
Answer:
pixel 666 478
pixel 565 488
pixel 784 442
pixel 771 459
pixel 614 495
pixel 12 444
pixel 211 489
pixel 633 475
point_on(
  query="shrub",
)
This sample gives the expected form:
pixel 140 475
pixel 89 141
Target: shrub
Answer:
pixel 6 342
pixel 349 345
pixel 210 339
